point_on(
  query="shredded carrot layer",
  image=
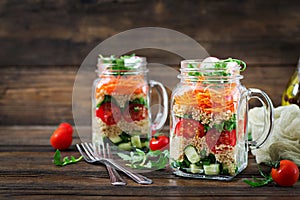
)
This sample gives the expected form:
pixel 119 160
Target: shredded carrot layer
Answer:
pixel 133 84
pixel 210 100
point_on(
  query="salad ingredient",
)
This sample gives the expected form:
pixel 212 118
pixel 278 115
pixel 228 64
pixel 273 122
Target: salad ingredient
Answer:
pixel 125 146
pixel 140 160
pixel 58 161
pixel 285 173
pixel 115 139
pixel 189 128
pixel 67 126
pixel 61 138
pixel 135 112
pixel 212 169
pixel 136 141
pixel 158 142
pixel 191 154
pixel 195 169
pixel 109 113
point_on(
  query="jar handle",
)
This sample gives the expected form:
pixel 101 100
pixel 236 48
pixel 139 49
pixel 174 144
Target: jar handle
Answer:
pixel 268 116
pixel 162 115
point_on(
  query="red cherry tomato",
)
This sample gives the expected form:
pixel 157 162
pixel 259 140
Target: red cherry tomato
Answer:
pixel 61 139
pixel 135 112
pixel 67 126
pixel 159 142
pixel 189 128
pixel 214 138
pixel 227 138
pixel 109 113
pixel 211 138
pixel 287 174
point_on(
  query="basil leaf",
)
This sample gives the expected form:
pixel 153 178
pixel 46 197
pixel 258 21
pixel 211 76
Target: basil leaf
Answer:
pixel 65 161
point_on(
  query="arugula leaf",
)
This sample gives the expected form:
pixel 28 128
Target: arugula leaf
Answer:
pixel 140 100
pixel 117 64
pixel 65 161
pixel 260 182
pixel 107 98
pixel 231 123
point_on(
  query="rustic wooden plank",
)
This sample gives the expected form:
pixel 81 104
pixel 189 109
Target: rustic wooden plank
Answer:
pixel 43 95
pixel 63 32
pixel 33 174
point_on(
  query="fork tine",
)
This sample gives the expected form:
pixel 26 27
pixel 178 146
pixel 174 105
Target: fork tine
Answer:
pixel 89 150
pixel 82 152
pixel 108 151
pixel 104 150
pixel 94 155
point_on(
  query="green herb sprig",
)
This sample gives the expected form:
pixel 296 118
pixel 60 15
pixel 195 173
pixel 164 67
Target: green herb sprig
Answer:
pixel 117 63
pixel 58 161
pixel 259 182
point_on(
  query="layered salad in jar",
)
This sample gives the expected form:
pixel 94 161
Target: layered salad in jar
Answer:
pixel 120 102
pixel 207 134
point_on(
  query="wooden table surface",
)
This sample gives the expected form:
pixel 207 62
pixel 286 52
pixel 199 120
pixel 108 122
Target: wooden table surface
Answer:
pixel 27 172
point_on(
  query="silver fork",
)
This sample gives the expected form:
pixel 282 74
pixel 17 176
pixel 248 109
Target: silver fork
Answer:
pixel 115 178
pixel 91 155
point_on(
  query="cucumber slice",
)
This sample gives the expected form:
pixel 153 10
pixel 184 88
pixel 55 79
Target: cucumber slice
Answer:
pixel 191 154
pixel 145 144
pixel 195 169
pixel 136 141
pixel 212 169
pixel 115 139
pixel 125 146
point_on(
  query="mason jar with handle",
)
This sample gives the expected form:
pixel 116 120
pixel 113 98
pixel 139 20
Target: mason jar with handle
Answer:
pixel 209 113
pixel 121 103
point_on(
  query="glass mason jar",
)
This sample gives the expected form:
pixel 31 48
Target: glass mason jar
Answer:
pixel 208 130
pixel 121 103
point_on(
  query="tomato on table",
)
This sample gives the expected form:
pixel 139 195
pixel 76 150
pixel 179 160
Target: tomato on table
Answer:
pixel 68 127
pixel 109 113
pixel 159 142
pixel 135 112
pixel 285 173
pixel 189 128
pixel 61 138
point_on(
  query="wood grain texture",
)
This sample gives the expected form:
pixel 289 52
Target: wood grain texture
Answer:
pixel 63 32
pixel 28 173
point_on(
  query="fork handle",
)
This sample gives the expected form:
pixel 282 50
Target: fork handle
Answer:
pixel 114 176
pixel 134 176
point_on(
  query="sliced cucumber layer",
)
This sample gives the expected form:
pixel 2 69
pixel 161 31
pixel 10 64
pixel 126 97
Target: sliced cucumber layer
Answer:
pixel 212 169
pixel 191 154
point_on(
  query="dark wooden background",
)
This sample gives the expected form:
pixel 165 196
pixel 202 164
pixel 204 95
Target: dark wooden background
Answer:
pixel 43 44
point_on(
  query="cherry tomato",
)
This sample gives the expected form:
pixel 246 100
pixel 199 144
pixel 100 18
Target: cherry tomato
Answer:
pixel 189 128
pixel 211 138
pixel 109 113
pixel 159 142
pixel 135 112
pixel 67 126
pixel 215 138
pixel 61 138
pixel 227 138
pixel 286 174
